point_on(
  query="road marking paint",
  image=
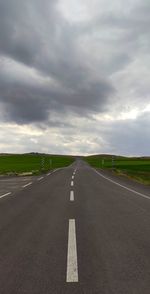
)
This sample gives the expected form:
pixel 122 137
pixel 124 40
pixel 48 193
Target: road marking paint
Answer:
pixel 72 177
pixel 116 183
pixel 48 174
pixel 55 170
pixel 40 179
pixel 5 194
pixel 72 263
pixel 27 185
pixel 71 195
pixel 72 183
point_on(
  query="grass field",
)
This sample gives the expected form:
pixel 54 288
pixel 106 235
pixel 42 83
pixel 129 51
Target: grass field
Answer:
pixel 137 168
pixel 32 163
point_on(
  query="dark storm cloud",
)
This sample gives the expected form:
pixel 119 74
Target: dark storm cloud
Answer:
pixel 27 104
pixel 22 28
pixel 68 77
pixel 35 34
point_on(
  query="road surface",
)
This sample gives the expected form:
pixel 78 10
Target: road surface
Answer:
pixel 76 230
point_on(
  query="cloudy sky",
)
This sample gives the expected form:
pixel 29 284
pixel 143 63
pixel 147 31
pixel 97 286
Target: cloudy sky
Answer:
pixel 75 76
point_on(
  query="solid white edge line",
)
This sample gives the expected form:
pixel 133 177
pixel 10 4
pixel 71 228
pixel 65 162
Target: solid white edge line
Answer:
pixel 53 171
pixel 72 183
pixel 27 185
pixel 71 195
pixel 116 183
pixel 72 263
pixel 5 194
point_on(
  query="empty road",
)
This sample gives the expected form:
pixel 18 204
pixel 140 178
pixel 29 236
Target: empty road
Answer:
pixel 74 231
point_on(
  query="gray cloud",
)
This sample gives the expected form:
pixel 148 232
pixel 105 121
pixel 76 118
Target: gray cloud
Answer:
pixel 26 104
pixel 22 28
pixel 131 136
pixel 35 34
pixel 54 71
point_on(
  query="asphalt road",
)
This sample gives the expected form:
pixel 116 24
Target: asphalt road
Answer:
pixel 75 231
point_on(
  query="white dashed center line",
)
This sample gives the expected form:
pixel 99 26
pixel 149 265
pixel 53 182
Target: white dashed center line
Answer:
pixel 5 194
pixel 27 185
pixel 71 195
pixel 72 183
pixel 72 177
pixel 72 263
pixel 40 179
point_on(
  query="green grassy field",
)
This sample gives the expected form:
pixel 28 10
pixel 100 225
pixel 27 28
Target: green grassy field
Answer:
pixel 137 168
pixel 32 163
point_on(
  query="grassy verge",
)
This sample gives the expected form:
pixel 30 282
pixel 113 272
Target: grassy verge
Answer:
pixel 135 168
pixel 27 164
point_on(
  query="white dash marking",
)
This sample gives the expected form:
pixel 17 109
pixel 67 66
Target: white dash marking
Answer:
pixel 71 195
pixel 72 183
pixel 72 177
pixel 48 174
pixel 40 178
pixel 27 185
pixel 72 263
pixel 5 194
pixel 55 170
